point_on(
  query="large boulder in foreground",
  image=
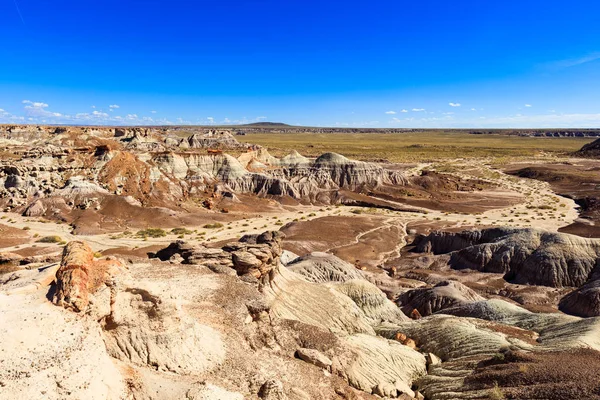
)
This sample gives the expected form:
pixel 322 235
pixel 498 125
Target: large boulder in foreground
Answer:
pixel 79 275
pixel 73 278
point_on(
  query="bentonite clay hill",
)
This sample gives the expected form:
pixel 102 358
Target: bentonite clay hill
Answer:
pixel 179 263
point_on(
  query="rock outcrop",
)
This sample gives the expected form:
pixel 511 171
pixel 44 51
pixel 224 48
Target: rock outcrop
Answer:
pixel 525 256
pixel 430 300
pixel 252 255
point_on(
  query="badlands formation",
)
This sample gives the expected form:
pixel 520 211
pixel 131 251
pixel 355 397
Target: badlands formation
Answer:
pixel 180 263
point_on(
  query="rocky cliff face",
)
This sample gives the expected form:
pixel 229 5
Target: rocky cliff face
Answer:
pixel 526 256
pixel 158 167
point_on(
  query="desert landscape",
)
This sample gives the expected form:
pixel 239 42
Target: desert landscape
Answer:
pixel 278 262
pixel 299 200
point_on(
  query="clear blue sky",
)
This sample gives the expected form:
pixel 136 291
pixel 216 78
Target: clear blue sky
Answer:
pixel 395 63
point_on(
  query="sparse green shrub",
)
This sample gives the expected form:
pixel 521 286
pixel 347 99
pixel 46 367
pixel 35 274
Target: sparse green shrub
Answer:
pixel 213 225
pixel 181 231
pixel 496 393
pixel 50 239
pixel 151 232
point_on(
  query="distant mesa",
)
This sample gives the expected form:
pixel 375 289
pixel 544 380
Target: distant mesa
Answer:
pixel 273 124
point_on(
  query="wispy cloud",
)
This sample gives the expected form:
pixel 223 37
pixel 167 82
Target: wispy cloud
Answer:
pixel 472 109
pixel 390 112
pixel 454 104
pixel 19 12
pixel 528 105
pixel 113 106
pixel 404 111
pixel 418 109
pixel 573 62
pixel 153 112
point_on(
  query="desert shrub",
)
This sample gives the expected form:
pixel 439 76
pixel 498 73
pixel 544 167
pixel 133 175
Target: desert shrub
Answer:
pixel 213 225
pixel 26 228
pixel 152 232
pixel 496 393
pixel 181 231
pixel 50 239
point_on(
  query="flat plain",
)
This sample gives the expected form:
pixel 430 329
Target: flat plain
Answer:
pixel 416 146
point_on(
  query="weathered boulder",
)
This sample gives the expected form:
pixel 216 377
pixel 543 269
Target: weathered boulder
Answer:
pixel 314 357
pixel 73 280
pixel 80 275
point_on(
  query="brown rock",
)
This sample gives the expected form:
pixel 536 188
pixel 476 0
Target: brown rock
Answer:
pixel 79 275
pixel 415 314
pixel 73 276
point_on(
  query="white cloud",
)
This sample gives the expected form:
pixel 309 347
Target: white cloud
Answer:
pixel 37 109
pixel 153 112
pixel 112 106
pixel 454 104
pixel 418 109
pixel 390 112
pixel 99 114
pixel 261 118
pixel 34 104
pixel 93 106
pixel 472 109
pixel 448 113
pixel 528 105
pixel 404 111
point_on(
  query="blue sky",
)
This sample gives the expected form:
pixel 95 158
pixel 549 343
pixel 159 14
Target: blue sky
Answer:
pixel 354 63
